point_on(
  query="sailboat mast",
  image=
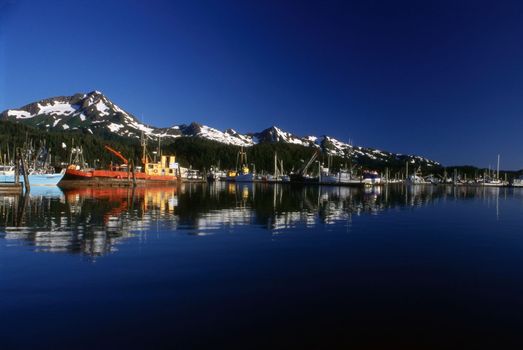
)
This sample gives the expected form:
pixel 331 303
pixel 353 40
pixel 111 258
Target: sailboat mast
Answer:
pixel 498 169
pixel 275 164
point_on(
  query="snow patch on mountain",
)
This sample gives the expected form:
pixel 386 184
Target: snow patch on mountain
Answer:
pixel 19 114
pixel 56 108
pixel 114 127
pixel 138 126
pixel 102 108
pixel 223 137
pixel 336 147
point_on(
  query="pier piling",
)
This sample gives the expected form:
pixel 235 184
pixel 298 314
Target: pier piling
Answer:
pixel 26 175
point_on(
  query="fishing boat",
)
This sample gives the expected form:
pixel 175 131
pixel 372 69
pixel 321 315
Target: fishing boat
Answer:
pixel 278 175
pixel 342 177
pixel 371 178
pixel 416 178
pixel 191 175
pixel 40 172
pixel 302 177
pixel 244 174
pixel 40 178
pixel 36 179
pixel 7 173
pixel 518 182
pixel 163 171
pixel 215 174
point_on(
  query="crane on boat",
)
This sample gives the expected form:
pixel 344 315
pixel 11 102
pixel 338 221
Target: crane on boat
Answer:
pixel 118 154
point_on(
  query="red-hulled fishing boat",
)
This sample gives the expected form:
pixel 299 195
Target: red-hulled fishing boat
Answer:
pixel 162 172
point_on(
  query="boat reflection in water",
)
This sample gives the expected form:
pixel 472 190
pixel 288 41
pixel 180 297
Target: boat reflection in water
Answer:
pixel 93 221
pixel 90 220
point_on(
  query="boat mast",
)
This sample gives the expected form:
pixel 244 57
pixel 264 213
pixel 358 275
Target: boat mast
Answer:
pixel 238 155
pixel 144 155
pixel 159 147
pixel 275 164
pixel 497 176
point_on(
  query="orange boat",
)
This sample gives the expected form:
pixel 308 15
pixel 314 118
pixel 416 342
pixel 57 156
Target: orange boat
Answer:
pixel 162 172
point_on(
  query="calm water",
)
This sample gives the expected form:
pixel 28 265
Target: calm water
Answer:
pixel 240 266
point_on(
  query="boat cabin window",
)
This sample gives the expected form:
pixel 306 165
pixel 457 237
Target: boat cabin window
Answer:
pixel 150 166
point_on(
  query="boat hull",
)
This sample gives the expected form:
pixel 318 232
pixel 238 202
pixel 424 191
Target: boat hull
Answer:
pixel 300 179
pixel 43 179
pixel 109 177
pixel 241 178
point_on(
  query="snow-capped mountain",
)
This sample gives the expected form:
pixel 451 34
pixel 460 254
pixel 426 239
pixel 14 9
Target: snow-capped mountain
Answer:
pixel 94 113
pixel 91 112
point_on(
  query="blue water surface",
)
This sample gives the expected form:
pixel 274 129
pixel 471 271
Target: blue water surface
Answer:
pixel 244 266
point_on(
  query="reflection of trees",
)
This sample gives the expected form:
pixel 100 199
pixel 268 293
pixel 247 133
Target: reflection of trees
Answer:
pixel 94 220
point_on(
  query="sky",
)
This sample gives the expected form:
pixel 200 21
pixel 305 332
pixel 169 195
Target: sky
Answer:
pixel 442 79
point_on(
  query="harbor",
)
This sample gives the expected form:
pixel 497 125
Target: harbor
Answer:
pixel 159 169
pixel 271 174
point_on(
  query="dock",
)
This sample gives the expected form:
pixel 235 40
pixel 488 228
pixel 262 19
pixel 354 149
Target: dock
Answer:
pixel 16 186
pixel 11 187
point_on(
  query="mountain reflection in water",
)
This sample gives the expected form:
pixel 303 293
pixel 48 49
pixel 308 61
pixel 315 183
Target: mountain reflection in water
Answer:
pixel 93 221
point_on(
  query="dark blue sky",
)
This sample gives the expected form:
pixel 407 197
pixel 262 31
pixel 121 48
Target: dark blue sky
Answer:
pixel 443 79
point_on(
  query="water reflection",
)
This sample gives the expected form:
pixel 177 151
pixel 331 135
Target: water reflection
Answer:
pixel 93 221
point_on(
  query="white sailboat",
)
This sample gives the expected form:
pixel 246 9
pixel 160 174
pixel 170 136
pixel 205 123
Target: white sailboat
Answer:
pixel 493 182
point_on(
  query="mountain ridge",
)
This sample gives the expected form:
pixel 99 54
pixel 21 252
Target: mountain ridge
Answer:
pixel 94 113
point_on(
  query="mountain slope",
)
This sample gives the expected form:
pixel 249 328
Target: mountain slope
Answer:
pixel 94 113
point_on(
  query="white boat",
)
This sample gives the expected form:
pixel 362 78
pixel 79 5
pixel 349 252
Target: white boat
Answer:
pixel 493 181
pixel 6 170
pixel 518 182
pixel 343 177
pixel 192 175
pixel 416 180
pixel 371 178
pixel 216 174
pixel 7 173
